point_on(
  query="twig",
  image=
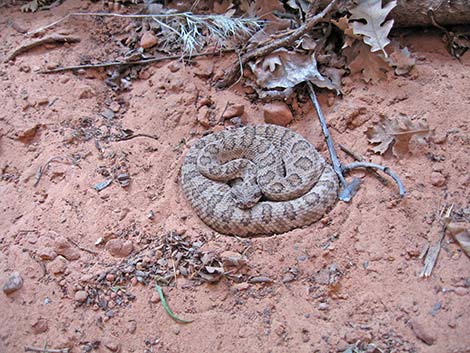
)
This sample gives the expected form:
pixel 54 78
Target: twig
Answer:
pixel 360 158
pixel 384 169
pixel 433 250
pixel 136 135
pixel 42 169
pixel 53 38
pixel 348 189
pixel 81 247
pixel 223 112
pixel 48 350
pixel 129 63
pixel 311 21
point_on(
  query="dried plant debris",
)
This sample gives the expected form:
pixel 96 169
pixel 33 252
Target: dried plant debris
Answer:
pixel 375 30
pixel 161 262
pixel 283 69
pixel 190 32
pixel 344 25
pixel 371 66
pixel 395 134
pixel 459 229
pixel 401 60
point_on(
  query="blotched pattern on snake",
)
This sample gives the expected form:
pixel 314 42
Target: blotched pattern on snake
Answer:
pixel 257 180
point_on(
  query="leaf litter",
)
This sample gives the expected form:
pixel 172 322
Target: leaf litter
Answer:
pixel 375 30
pixel 160 262
pixel 396 134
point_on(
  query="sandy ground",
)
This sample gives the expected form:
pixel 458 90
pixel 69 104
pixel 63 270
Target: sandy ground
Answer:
pixel 352 277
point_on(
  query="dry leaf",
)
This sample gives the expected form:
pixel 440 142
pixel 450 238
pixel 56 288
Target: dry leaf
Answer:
pixel 461 234
pixel 285 69
pixel 396 134
pixel 349 36
pixel 372 66
pixel 401 60
pixel 375 31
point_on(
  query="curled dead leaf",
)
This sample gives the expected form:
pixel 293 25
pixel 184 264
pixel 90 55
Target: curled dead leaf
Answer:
pixel 372 66
pixel 460 232
pixel 396 134
pixel 401 60
pixel 375 30
pixel 283 69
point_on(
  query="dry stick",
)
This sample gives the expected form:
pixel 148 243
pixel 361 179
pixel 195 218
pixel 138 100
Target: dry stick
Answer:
pixel 43 350
pixel 348 190
pixel 360 158
pixel 53 38
pixel 311 21
pixel 81 247
pixel 136 135
pixel 384 169
pixel 137 62
pixel 433 250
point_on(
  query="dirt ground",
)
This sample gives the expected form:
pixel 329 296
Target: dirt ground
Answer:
pixel 352 277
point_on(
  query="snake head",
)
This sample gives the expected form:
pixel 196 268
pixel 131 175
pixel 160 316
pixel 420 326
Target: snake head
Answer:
pixel 245 196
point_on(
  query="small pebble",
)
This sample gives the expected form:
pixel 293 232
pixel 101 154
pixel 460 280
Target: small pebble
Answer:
pixel 81 296
pixel 437 179
pixel 14 282
pixel 277 113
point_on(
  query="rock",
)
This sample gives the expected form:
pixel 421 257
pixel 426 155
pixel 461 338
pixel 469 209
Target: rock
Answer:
pixel 57 266
pixel 112 346
pixel 174 66
pixel 461 291
pixel 155 298
pixel 323 306
pixel 203 115
pixel 232 258
pixel 148 40
pixel 233 111
pixel 119 247
pixel 439 137
pixel 85 92
pixel 39 326
pixel 277 113
pixel 115 106
pixel 13 283
pixel 46 254
pixel 27 135
pixel 81 296
pixel 422 332
pixel 63 247
pixel 240 287
pixel 437 179
pixel 131 327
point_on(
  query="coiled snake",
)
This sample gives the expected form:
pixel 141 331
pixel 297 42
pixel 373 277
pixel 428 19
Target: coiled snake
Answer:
pixel 257 180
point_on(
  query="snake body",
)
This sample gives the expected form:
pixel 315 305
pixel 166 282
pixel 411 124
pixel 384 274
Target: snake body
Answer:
pixel 257 180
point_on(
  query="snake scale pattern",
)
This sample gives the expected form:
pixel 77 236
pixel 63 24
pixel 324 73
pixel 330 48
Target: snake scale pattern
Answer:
pixel 257 180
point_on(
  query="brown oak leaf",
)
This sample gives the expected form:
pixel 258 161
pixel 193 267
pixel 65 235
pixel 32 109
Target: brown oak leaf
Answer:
pixel 360 60
pixel 396 134
pixel 400 59
pixel 375 31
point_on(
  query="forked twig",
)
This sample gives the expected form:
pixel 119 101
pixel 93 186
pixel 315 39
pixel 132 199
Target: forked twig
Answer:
pixel 384 169
pixel 348 189
pixel 360 158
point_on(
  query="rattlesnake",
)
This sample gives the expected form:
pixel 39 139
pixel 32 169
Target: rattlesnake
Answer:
pixel 257 180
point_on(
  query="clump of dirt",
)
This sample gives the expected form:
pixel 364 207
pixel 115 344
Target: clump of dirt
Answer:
pixel 80 264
